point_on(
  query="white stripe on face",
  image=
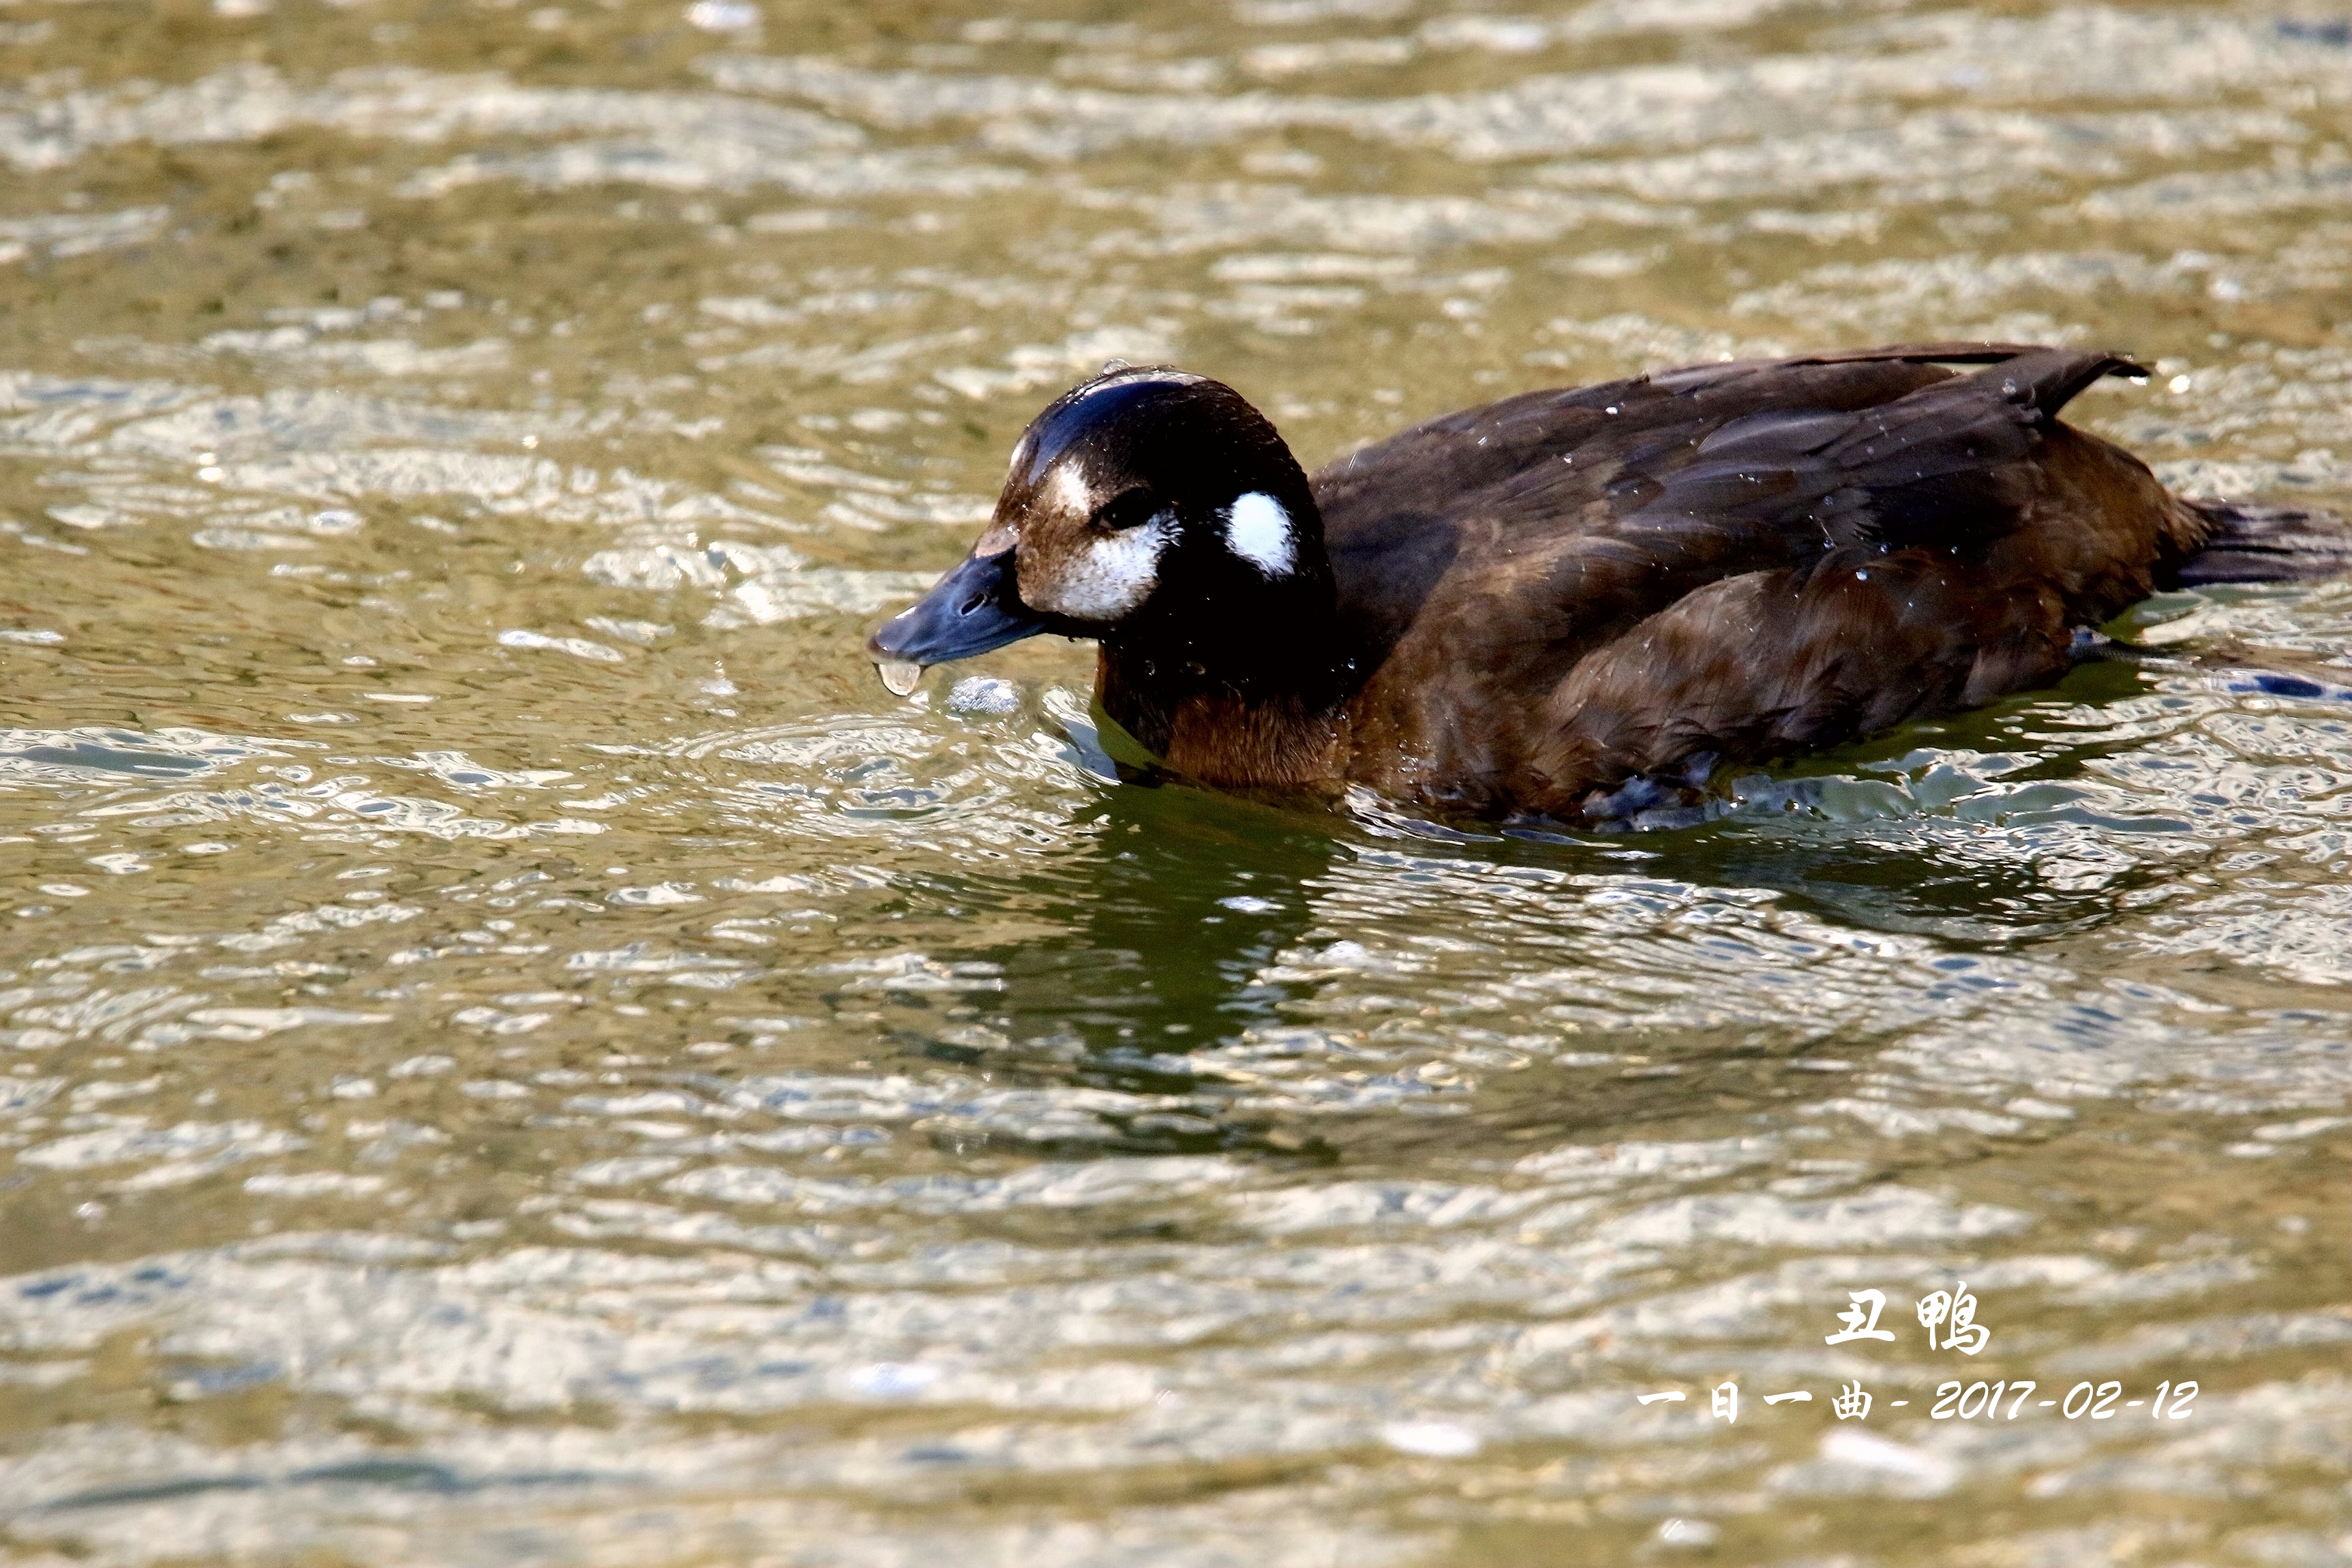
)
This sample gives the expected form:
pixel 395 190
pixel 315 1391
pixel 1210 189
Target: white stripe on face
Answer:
pixel 1070 492
pixel 1258 530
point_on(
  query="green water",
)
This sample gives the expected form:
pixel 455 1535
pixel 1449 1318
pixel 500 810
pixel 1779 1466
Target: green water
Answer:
pixel 515 1049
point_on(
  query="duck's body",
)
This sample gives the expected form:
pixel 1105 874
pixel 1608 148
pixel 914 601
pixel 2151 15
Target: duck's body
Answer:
pixel 1520 609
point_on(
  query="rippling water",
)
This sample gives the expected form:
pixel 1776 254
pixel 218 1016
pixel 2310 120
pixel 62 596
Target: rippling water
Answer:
pixel 516 1050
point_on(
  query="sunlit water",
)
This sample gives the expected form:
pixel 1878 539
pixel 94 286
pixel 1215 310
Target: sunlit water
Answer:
pixel 516 1050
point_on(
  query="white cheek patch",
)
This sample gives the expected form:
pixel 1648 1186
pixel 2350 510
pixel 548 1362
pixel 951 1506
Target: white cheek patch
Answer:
pixel 1258 530
pixel 1107 579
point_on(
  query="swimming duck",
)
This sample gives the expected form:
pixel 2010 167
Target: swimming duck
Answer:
pixel 1573 604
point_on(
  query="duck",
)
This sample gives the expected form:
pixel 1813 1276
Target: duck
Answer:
pixel 1577 604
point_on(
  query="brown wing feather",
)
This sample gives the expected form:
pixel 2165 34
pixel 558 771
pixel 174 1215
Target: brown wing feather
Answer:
pixel 1675 559
pixel 1772 662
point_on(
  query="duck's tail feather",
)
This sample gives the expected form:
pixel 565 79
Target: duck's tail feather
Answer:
pixel 2252 542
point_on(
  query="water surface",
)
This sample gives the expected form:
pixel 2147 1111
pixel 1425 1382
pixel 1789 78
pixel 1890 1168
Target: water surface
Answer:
pixel 515 1049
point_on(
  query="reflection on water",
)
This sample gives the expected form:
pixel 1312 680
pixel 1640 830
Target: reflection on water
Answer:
pixel 516 1049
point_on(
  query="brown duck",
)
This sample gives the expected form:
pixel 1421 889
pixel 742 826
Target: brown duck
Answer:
pixel 1570 602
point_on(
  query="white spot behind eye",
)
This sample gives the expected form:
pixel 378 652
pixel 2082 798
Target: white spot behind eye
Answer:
pixel 1258 530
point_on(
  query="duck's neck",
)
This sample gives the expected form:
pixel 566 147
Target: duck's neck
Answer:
pixel 1256 699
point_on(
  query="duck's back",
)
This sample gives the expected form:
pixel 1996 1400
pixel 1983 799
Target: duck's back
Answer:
pixel 1565 589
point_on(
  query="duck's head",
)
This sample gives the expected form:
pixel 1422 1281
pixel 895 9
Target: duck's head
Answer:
pixel 1144 503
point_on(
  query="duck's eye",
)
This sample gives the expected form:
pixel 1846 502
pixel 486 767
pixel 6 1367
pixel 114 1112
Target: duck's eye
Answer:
pixel 1130 508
